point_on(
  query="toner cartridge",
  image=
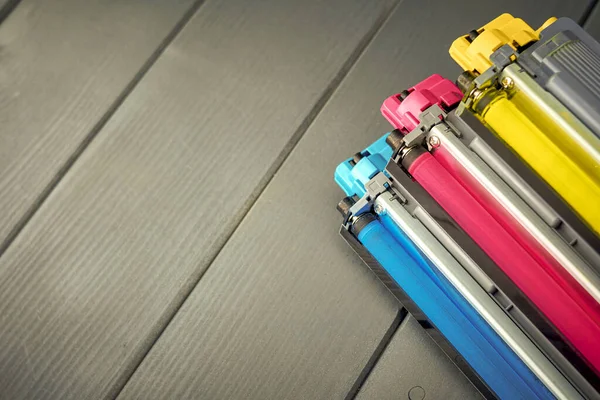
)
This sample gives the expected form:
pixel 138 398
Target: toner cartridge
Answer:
pixel 441 279
pixel 531 120
pixel 550 272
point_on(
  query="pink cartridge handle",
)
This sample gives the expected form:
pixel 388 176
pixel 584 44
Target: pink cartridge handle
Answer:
pixel 402 110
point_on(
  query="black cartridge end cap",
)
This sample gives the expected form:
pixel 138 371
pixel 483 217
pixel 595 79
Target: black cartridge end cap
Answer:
pixel 473 35
pixel 465 81
pixel 344 206
pixel 411 156
pixel 362 221
pixel 394 139
pixel 357 157
pixel 484 100
pixel 403 95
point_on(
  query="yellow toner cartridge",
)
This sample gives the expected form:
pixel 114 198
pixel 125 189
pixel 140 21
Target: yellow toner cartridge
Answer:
pixel 560 148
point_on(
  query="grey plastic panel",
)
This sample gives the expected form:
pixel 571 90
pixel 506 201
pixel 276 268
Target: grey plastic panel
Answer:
pixel 100 269
pixel 422 370
pixel 566 61
pixel 63 65
pixel 505 169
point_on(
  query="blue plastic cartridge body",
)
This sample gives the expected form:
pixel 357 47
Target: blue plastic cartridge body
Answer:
pixel 446 309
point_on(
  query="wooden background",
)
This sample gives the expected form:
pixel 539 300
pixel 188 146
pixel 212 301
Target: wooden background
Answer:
pixel 167 205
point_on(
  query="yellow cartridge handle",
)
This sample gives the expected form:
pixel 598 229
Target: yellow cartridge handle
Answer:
pixel 472 51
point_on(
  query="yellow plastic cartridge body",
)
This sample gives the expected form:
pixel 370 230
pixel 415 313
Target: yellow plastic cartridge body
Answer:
pixel 544 143
pixel 531 121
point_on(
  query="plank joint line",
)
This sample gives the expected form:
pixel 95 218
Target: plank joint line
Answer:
pixel 264 182
pixel 401 317
pixel 64 169
pixel 8 8
pixel 587 12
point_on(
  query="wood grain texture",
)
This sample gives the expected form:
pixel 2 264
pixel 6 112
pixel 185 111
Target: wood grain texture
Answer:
pixel 424 373
pixel 105 262
pixel 63 63
pixel 286 310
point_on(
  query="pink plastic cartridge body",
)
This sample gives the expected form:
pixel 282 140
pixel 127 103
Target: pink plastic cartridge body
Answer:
pixel 558 280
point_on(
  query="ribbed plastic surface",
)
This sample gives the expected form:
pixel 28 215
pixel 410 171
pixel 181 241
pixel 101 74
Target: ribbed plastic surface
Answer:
pixel 579 60
pixel 566 61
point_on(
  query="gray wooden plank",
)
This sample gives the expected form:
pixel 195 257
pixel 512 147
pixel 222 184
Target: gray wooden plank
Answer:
pixel 6 6
pixel 425 372
pixel 101 267
pixel 592 25
pixel 63 64
pixel 286 310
